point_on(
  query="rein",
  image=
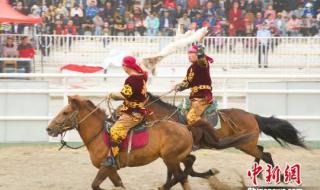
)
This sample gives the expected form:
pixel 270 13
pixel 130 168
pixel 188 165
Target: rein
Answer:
pixel 76 125
pixel 174 102
pixel 161 96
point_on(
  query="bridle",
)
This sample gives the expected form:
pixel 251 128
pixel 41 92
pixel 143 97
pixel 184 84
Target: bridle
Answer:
pixel 76 125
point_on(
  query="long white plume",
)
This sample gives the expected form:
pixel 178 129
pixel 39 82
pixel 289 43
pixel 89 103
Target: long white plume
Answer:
pixel 180 41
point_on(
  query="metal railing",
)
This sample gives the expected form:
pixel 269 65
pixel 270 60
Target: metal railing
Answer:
pixel 224 94
pixel 63 89
pixel 228 52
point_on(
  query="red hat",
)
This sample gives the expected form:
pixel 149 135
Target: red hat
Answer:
pixel 130 62
pixel 194 49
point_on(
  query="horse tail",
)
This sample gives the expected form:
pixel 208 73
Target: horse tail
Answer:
pixel 281 130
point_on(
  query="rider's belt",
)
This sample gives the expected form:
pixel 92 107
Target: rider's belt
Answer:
pixel 195 89
pixel 134 104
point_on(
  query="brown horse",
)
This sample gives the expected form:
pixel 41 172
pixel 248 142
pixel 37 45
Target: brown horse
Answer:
pixel 168 140
pixel 234 122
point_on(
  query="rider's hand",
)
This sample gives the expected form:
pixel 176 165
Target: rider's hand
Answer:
pixel 108 97
pixel 178 87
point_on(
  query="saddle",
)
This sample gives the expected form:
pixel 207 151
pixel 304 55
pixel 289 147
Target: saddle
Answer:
pixel 139 136
pixel 210 114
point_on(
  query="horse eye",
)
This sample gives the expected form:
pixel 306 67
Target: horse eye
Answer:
pixel 65 113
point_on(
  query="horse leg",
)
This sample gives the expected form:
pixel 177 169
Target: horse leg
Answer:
pixel 188 163
pixel 179 176
pixel 254 150
pixel 267 158
pixel 102 174
pixel 169 176
pixel 100 177
pixel 257 160
pixel 115 178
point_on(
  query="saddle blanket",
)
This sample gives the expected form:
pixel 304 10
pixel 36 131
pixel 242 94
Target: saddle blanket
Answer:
pixel 139 139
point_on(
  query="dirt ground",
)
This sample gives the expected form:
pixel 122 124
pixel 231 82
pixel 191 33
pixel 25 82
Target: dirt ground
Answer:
pixel 35 167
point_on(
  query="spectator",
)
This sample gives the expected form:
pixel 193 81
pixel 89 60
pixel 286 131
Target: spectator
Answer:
pixel 153 24
pixel 9 49
pixel 91 2
pixel 62 10
pixel 166 24
pixel 309 9
pixel 20 8
pixel 87 27
pixel 139 21
pixel 156 5
pixel 183 4
pixel 210 21
pixel 209 10
pixel 77 21
pixel 278 5
pixel 169 4
pixel 5 28
pixel 45 41
pixel 98 25
pixel 193 27
pixel 290 5
pixel 121 8
pixel 257 21
pixel 130 25
pixel 248 21
pixel 244 5
pixel 185 21
pixel 280 24
pixel 76 10
pixel 270 23
pixel 108 12
pixel 270 11
pixel 308 26
pixel 263 36
pixel 44 7
pixel 192 4
pixel 84 11
pixel 70 29
pixel 91 10
pixel 119 26
pixel 256 6
pixel 58 27
pixel 198 19
pixel 293 26
pixel 299 12
pixel 235 20
pixel 25 50
pixel 178 13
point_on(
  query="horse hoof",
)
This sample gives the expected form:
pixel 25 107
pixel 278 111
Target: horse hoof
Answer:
pixel 214 171
pixel 119 188
pixel 260 176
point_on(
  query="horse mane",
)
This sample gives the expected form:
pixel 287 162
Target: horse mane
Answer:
pixel 157 100
pixel 92 106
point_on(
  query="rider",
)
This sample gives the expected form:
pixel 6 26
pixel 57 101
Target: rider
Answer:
pixel 132 112
pixel 199 80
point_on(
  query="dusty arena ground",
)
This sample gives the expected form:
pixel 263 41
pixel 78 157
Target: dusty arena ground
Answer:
pixel 35 167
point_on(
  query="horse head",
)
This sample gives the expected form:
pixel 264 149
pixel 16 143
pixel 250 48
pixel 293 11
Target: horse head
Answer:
pixel 68 117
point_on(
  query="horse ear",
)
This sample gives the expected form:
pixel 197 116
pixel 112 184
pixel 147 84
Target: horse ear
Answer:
pixel 75 104
pixel 69 99
pixel 90 103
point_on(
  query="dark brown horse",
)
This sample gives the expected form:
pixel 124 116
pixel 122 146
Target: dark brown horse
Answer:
pixel 167 139
pixel 234 122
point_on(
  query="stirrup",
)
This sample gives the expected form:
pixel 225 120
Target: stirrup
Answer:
pixel 195 147
pixel 110 162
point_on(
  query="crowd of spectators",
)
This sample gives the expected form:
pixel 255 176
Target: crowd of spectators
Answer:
pixel 161 17
pixel 22 49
